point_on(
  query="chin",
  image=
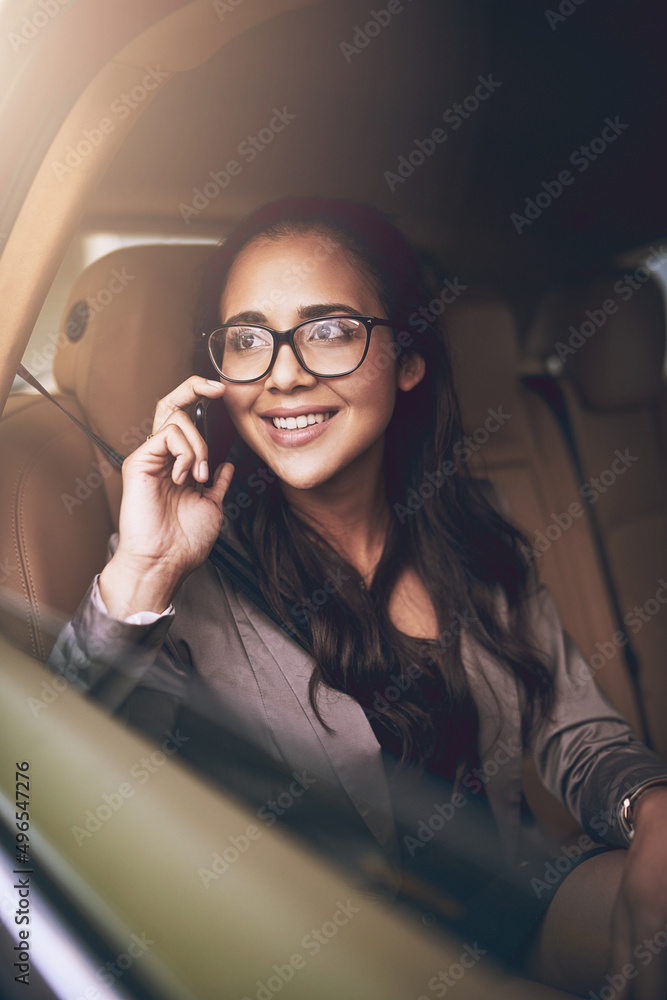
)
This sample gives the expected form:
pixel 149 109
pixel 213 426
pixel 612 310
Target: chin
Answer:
pixel 301 479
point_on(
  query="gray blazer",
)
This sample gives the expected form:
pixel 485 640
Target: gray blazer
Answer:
pixel 586 753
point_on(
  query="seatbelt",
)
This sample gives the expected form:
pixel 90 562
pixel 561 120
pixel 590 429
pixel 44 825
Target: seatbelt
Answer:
pixel 224 556
pixel 114 457
pixel 548 388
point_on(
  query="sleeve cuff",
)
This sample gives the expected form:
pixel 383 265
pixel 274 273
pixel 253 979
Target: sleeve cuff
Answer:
pixel 137 618
pixel 107 658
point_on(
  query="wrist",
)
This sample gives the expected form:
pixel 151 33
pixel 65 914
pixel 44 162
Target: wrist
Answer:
pixel 127 586
pixel 640 808
pixel 650 805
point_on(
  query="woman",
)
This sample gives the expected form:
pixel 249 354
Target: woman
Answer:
pixel 342 418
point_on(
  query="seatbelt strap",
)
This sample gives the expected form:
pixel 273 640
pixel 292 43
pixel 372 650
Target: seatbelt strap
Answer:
pixel 548 388
pixel 224 556
pixel 114 457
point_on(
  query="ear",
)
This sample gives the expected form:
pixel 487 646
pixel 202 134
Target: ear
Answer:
pixel 411 368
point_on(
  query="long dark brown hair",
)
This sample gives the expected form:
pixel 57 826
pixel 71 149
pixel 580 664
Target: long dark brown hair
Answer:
pixel 445 528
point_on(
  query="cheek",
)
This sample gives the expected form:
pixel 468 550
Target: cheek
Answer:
pixel 377 389
pixel 238 402
pixel 380 367
pixel 373 403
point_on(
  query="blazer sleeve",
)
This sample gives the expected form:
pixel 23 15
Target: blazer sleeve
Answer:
pixel 108 659
pixel 585 752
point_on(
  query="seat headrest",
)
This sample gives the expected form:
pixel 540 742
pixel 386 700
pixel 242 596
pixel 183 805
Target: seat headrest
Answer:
pixel 609 333
pixel 127 338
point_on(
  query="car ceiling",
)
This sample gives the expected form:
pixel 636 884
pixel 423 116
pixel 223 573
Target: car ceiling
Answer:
pixel 355 113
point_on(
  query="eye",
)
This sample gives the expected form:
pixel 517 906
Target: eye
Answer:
pixel 247 338
pixel 327 330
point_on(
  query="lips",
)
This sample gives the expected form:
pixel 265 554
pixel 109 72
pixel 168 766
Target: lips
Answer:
pixel 295 435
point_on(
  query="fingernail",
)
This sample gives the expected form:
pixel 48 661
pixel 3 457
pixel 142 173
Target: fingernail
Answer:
pixel 217 383
pixel 203 471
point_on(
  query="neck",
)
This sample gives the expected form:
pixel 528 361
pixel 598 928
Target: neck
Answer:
pixel 350 511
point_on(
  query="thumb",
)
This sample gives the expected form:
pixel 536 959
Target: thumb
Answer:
pixel 221 480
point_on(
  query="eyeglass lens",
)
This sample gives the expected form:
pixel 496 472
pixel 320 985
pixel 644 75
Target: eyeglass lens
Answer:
pixel 325 346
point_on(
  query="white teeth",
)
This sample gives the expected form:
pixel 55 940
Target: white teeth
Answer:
pixel 303 420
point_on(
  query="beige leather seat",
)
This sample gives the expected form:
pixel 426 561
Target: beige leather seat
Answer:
pixel 614 385
pixel 59 498
pixel 527 458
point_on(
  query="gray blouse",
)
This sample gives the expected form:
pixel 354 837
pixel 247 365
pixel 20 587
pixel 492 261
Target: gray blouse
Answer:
pixel 255 682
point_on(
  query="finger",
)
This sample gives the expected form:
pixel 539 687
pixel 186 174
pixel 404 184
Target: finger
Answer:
pixel 168 446
pixel 178 418
pixel 223 477
pixel 185 395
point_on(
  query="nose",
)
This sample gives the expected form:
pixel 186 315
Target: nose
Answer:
pixel 287 372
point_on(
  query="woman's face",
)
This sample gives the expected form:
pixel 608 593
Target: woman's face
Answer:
pixel 279 283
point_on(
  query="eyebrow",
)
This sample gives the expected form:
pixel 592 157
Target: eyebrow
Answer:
pixel 313 311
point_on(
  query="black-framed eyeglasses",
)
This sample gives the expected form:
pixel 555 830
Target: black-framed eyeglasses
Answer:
pixel 327 347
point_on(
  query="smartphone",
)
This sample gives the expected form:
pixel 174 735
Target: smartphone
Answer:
pixel 226 445
pixel 201 423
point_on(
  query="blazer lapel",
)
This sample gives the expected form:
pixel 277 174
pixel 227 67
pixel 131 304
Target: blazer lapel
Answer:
pixel 350 755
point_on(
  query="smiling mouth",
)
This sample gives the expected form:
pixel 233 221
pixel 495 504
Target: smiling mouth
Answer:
pixel 303 420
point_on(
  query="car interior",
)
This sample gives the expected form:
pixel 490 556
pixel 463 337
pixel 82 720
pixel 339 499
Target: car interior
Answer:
pixel 135 138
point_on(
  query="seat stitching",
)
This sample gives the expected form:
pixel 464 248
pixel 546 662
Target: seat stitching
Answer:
pixel 34 610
